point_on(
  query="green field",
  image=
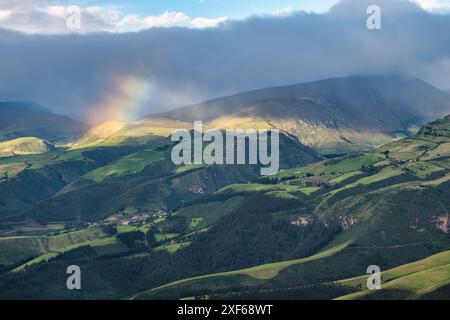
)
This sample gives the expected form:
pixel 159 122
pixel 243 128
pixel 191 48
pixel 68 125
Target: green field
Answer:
pixel 102 247
pixel 159 237
pixel 423 169
pixel 407 149
pixel 344 177
pixel 15 249
pixel 410 281
pixel 343 165
pixel 442 150
pixel 382 175
pixel 267 188
pixel 172 247
pixel 127 165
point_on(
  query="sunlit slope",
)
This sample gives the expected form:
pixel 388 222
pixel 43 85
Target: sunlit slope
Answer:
pixel 411 281
pixel 415 280
pixel 26 145
pixel 99 134
pixel 114 133
pixel 15 249
pixel 262 272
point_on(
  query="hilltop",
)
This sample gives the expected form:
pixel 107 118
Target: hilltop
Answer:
pixel 26 145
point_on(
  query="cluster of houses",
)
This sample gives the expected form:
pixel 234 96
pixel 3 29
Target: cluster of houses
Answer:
pixel 196 189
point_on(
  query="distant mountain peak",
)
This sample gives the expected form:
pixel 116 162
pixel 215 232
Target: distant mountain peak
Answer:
pixel 27 119
pixel 336 114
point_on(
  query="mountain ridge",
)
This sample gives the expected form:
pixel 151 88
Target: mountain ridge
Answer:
pixel 337 114
pixel 25 119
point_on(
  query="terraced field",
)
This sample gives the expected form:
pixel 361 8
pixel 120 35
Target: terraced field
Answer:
pixel 384 174
pixel 15 249
pixel 340 166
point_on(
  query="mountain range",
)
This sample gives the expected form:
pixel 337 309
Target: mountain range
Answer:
pixel 140 227
pixel 334 115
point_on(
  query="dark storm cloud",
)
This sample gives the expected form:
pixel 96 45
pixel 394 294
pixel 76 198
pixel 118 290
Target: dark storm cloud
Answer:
pixel 72 73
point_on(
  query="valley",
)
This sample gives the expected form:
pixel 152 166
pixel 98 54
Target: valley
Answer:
pixel 141 227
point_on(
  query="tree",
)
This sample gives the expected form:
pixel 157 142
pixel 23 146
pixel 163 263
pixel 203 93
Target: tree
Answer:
pixel 132 239
pixel 150 239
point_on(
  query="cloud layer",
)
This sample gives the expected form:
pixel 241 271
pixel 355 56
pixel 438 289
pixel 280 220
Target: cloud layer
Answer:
pixel 171 67
pixel 40 17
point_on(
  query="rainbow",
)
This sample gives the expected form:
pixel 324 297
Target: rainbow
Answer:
pixel 123 104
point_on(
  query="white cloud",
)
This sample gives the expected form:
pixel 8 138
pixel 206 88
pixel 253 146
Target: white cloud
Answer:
pixel 208 23
pixel 166 19
pixel 284 11
pixel 136 22
pixel 434 5
pixel 34 17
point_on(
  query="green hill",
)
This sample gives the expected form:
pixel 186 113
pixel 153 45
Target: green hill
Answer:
pixel 147 180
pixel 23 146
pixel 113 133
pixel 417 280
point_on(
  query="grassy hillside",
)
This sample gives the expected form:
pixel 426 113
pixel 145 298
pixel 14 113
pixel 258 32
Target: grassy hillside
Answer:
pixel 112 133
pixel 226 232
pixel 262 272
pixel 382 216
pixel 26 145
pixel 27 179
pixel 411 281
pixel 15 249
pixel 141 176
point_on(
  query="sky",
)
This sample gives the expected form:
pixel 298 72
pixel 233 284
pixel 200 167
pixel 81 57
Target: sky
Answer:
pixel 237 9
pixel 134 58
pixel 48 16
